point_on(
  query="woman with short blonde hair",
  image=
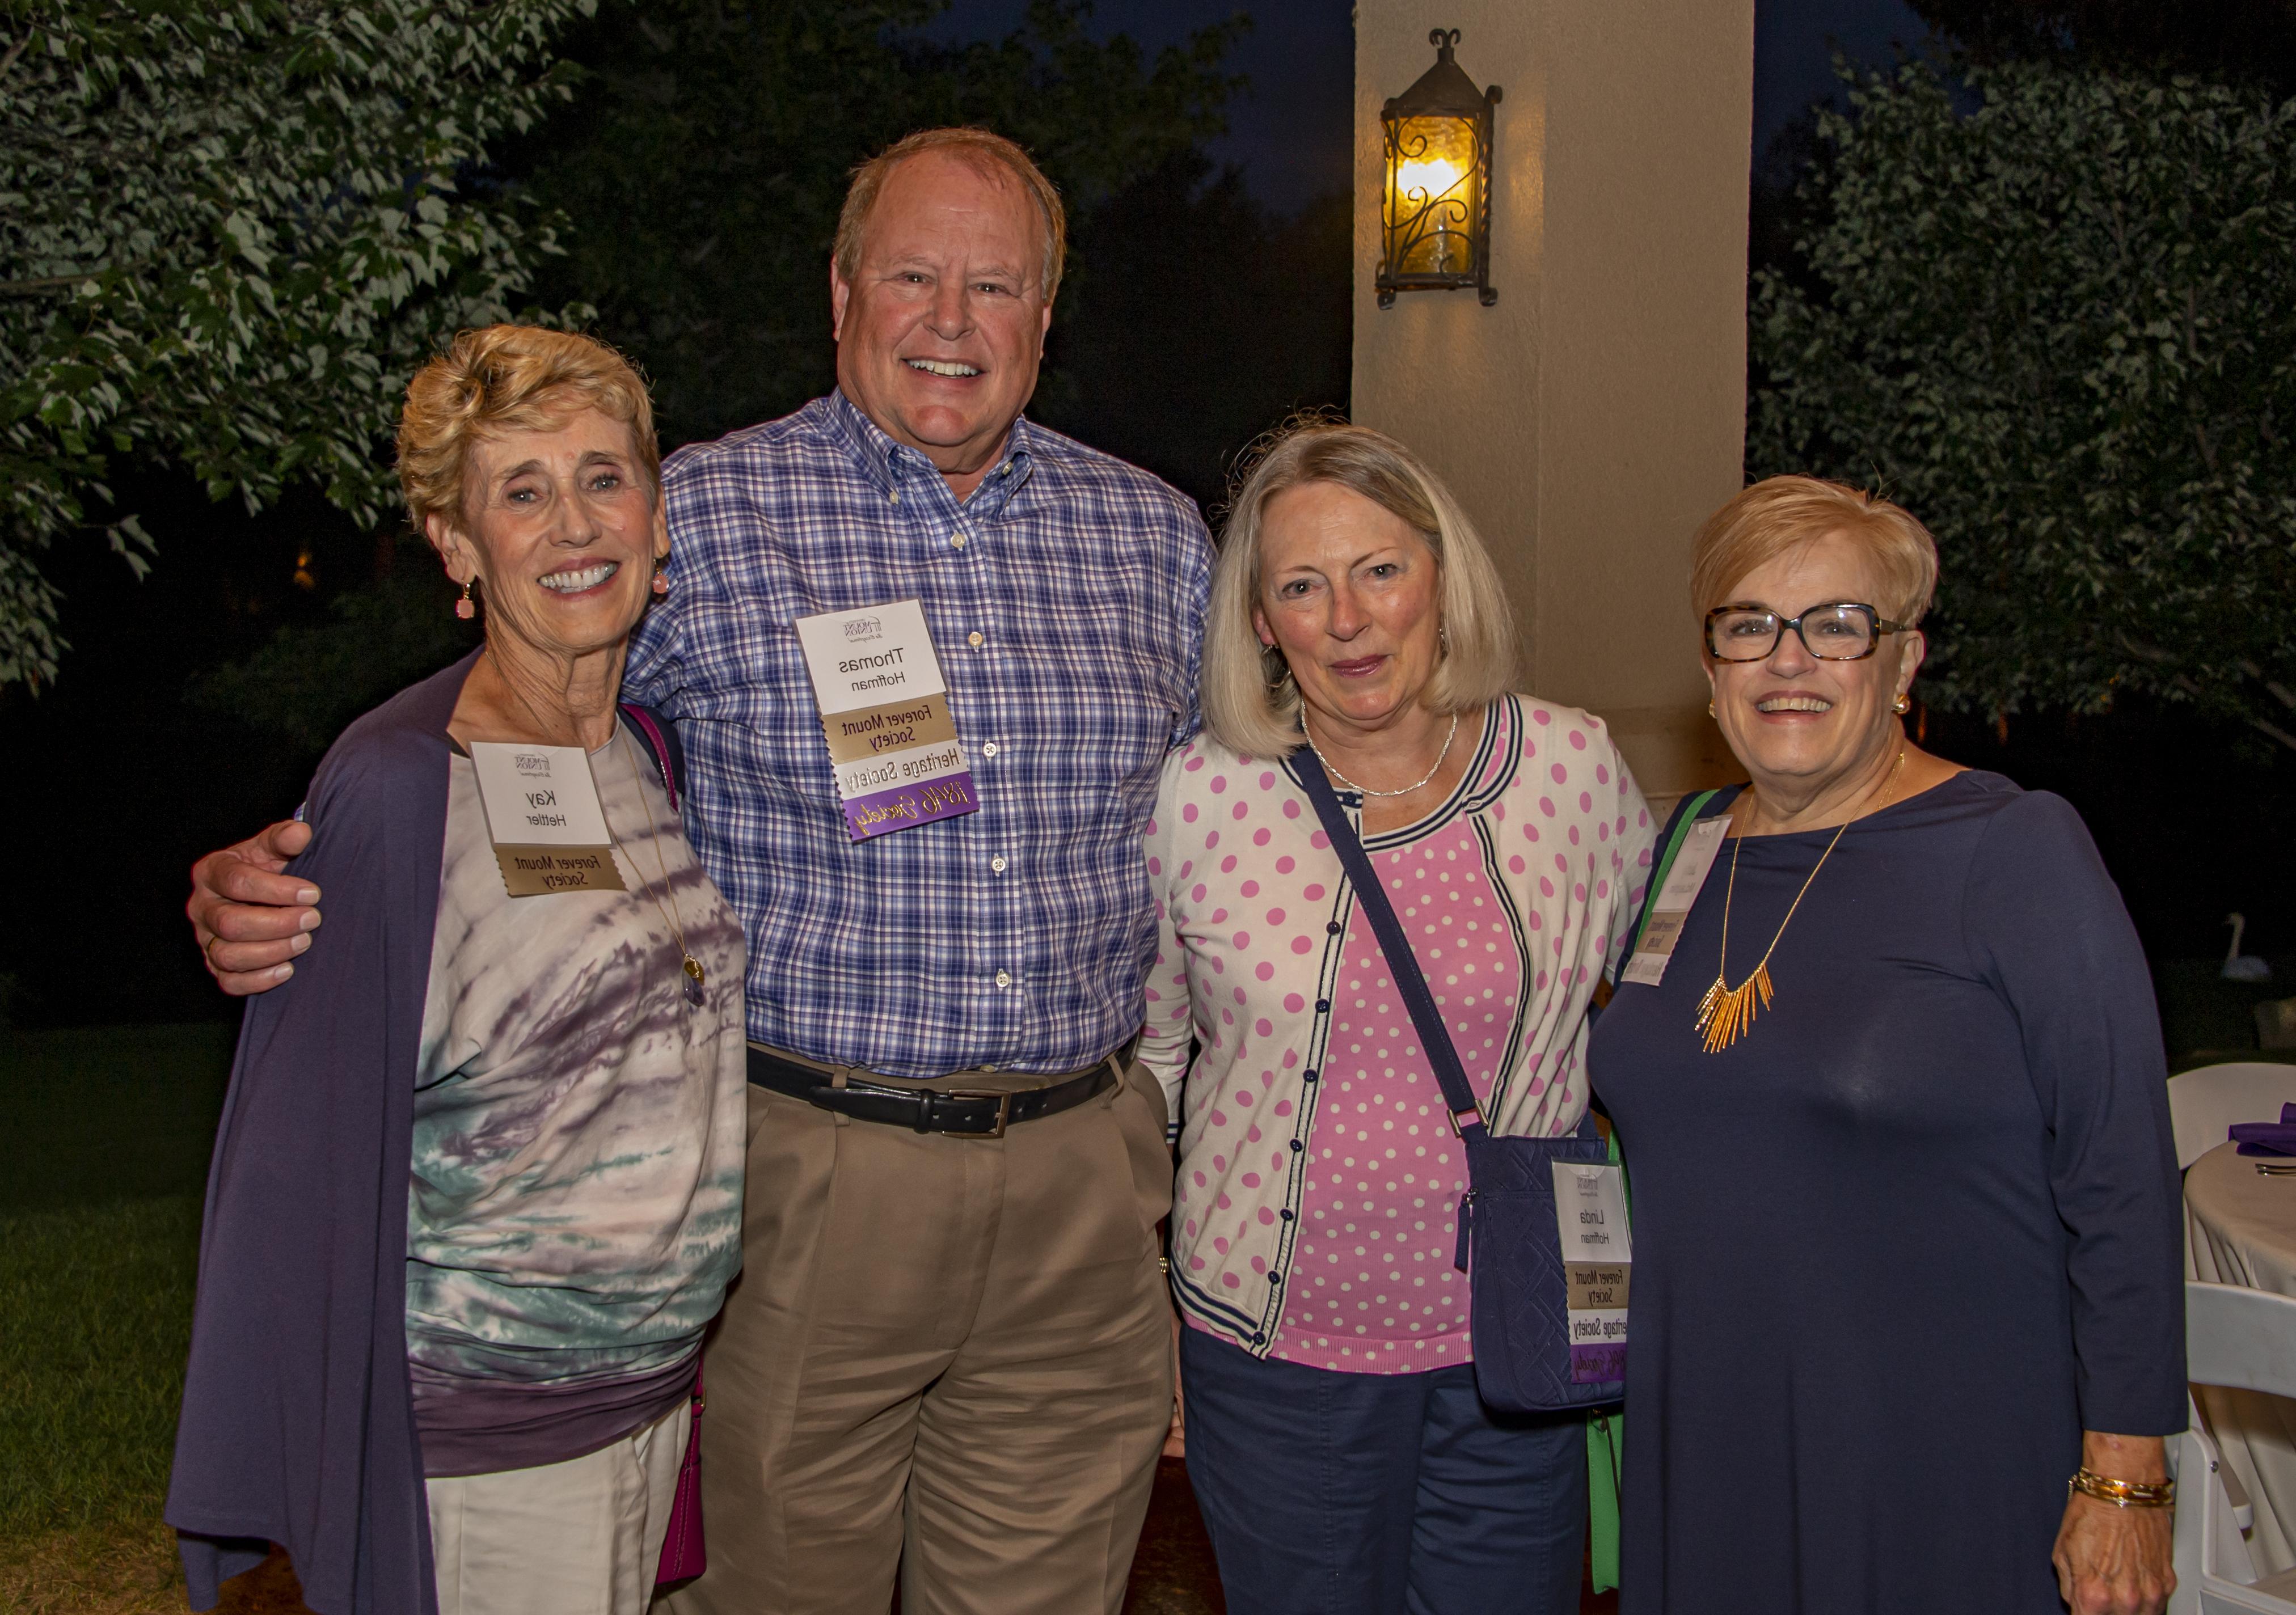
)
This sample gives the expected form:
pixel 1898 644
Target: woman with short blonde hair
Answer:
pixel 1344 1462
pixel 498 1128
pixel 1896 1116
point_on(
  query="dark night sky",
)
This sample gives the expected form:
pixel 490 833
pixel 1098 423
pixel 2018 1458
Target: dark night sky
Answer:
pixel 1290 131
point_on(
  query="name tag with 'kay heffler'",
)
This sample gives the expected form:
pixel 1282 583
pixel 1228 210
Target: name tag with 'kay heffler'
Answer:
pixel 543 812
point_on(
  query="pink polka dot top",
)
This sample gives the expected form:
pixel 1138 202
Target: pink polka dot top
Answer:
pixel 1315 1212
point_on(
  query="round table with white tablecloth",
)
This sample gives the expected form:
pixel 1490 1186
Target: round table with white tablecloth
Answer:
pixel 2240 1228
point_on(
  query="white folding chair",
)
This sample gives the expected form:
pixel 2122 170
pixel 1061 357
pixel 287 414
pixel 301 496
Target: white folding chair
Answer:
pixel 2246 1339
pixel 2202 1104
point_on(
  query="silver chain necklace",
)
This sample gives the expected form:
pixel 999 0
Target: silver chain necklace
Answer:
pixel 1366 789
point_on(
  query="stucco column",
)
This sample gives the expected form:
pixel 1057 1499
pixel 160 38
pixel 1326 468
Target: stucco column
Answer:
pixel 1595 415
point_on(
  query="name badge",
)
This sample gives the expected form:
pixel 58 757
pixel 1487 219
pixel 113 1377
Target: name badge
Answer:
pixel 1684 882
pixel 884 710
pixel 543 817
pixel 1590 1215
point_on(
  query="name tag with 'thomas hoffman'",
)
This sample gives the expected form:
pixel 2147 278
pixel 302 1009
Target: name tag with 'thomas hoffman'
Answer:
pixel 884 710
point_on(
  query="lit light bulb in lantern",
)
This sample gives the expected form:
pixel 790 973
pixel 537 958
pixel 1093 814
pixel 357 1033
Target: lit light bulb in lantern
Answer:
pixel 1426 178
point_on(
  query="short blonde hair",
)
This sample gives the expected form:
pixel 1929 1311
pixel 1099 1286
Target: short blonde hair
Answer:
pixel 1780 514
pixel 1251 703
pixel 985 154
pixel 509 378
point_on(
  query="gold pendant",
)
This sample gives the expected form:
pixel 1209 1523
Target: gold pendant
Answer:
pixel 694 969
pixel 1725 1015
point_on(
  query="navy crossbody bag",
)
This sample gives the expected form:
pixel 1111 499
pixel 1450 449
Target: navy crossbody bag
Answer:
pixel 1508 1244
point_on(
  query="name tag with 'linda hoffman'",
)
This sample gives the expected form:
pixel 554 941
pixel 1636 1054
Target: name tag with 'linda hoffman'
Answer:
pixel 1590 1217
pixel 884 710
pixel 1684 882
pixel 544 818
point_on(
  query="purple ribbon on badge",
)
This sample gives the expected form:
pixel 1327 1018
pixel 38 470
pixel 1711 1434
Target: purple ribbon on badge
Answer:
pixel 905 805
pixel 1606 1360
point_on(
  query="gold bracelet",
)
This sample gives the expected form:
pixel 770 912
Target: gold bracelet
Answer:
pixel 2122 1494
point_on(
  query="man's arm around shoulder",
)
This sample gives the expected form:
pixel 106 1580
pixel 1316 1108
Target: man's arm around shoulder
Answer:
pixel 249 917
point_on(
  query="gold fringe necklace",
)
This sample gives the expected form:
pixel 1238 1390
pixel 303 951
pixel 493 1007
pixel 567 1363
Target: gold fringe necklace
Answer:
pixel 1725 1012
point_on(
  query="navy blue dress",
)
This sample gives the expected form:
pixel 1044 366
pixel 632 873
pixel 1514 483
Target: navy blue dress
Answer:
pixel 1896 1247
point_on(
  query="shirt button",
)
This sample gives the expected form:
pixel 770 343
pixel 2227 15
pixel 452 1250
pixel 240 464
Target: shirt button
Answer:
pixel 958 539
pixel 895 496
pixel 974 639
pixel 997 863
pixel 1331 926
pixel 1322 1006
pixel 989 749
pixel 1004 977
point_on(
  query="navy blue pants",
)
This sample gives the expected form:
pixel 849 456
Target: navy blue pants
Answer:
pixel 1360 1494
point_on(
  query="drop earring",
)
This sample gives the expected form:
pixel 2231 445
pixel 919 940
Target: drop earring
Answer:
pixel 464 608
pixel 661 574
pixel 1709 709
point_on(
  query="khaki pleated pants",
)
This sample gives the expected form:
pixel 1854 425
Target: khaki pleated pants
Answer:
pixel 948 1354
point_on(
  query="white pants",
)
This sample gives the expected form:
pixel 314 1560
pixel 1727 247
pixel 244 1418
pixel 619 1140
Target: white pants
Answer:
pixel 581 1537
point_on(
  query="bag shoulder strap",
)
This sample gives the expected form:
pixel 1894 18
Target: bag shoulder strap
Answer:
pixel 1670 840
pixel 1458 1095
pixel 661 739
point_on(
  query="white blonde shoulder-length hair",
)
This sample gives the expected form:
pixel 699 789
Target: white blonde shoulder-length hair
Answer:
pixel 1251 703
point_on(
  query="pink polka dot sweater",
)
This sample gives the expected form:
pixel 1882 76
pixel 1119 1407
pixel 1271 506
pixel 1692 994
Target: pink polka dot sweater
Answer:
pixel 1319 1178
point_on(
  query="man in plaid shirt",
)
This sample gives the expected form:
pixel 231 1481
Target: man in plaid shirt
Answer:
pixel 950 1348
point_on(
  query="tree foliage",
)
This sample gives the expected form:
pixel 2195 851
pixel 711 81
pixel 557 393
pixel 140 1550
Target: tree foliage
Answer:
pixel 2061 330
pixel 696 178
pixel 2253 41
pixel 703 166
pixel 229 229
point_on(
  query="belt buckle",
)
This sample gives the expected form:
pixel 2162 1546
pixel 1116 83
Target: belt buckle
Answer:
pixel 1004 1106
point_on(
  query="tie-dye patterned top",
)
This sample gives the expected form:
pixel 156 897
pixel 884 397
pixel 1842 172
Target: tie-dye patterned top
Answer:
pixel 575 1211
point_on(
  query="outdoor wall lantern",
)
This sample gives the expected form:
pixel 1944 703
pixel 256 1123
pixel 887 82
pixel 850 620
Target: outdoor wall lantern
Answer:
pixel 1435 212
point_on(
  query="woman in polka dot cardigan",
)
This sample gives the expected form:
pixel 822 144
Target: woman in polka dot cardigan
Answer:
pixel 1341 1455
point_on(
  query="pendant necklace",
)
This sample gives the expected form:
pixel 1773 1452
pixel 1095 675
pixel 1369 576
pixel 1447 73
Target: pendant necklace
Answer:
pixel 694 977
pixel 1366 789
pixel 1725 1012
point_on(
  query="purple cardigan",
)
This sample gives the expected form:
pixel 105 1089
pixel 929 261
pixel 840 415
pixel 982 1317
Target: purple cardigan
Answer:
pixel 297 1424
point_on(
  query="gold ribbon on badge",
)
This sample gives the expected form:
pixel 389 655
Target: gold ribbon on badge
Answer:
pixel 920 720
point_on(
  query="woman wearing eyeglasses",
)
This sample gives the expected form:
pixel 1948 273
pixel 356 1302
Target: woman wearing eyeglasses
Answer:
pixel 1905 1204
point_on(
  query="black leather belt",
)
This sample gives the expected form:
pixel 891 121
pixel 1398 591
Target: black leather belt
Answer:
pixel 971 1112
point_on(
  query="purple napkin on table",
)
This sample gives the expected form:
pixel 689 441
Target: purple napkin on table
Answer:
pixel 2267 1138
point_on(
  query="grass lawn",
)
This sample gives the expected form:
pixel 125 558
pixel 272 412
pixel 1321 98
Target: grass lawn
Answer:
pixel 101 1170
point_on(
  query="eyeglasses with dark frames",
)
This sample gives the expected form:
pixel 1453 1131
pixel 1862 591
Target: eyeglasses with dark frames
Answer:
pixel 1844 631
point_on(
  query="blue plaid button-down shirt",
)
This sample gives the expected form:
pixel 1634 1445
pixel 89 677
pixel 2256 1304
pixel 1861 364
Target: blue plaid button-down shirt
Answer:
pixel 1066 599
